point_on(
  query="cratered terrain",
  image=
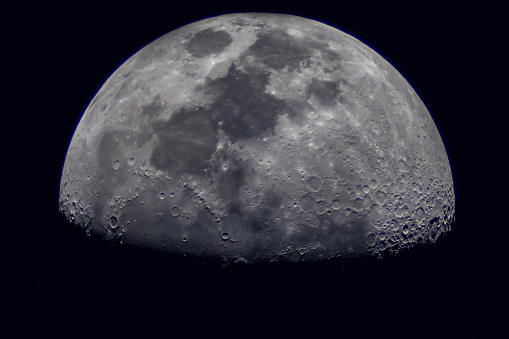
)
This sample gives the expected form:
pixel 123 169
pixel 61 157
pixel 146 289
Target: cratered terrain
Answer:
pixel 259 137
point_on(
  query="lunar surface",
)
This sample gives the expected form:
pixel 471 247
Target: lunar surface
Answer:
pixel 259 138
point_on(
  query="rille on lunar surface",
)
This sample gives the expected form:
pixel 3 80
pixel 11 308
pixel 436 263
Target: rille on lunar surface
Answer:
pixel 257 138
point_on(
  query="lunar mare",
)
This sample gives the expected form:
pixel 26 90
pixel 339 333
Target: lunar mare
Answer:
pixel 259 137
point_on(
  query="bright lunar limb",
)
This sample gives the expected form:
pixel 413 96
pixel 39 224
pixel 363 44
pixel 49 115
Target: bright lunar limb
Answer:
pixel 259 137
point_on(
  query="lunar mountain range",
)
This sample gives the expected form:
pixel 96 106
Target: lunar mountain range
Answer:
pixel 258 138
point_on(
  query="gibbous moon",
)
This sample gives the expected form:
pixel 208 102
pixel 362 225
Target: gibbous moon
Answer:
pixel 258 138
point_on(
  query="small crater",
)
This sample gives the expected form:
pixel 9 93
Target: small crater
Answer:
pixel 336 205
pixel 321 206
pixel 175 211
pixel 113 222
pixel 372 184
pixel 307 203
pixel 116 164
pixel 162 195
pixel 403 166
pixel 406 230
pixel 130 162
pixel 313 184
pixel 225 236
pixel 358 205
pixel 371 240
pixel 395 225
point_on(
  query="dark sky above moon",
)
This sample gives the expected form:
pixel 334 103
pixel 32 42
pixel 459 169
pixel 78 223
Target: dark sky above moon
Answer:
pixel 59 281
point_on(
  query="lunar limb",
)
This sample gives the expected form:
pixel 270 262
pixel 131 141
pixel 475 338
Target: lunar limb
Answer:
pixel 258 138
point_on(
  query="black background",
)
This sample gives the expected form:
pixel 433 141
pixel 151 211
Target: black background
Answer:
pixel 58 281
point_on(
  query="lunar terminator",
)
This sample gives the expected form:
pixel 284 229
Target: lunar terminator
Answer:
pixel 259 137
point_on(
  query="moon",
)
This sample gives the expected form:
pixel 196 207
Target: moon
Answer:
pixel 259 137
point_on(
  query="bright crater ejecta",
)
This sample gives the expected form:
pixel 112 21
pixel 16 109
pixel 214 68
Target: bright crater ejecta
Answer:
pixel 258 138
